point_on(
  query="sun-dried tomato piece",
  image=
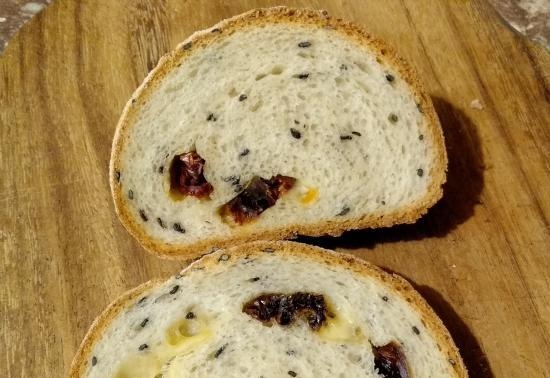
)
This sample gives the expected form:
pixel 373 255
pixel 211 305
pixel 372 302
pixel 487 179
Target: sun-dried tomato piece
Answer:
pixel 187 176
pixel 259 195
pixel 390 361
pixel 285 308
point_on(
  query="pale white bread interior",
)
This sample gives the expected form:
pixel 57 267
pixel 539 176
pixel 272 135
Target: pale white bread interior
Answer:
pixel 370 143
pixel 370 307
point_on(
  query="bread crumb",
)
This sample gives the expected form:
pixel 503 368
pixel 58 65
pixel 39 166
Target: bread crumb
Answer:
pixel 476 104
pixel 32 7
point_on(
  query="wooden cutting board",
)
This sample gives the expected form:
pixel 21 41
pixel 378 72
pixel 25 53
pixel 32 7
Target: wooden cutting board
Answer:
pixel 481 257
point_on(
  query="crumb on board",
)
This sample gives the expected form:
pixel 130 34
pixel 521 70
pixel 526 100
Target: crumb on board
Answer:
pixel 476 104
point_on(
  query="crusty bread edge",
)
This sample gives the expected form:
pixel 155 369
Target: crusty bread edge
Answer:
pixel 335 227
pixel 83 355
pixel 393 282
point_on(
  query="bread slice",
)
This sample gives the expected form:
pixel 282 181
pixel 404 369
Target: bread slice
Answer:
pixel 199 323
pixel 275 92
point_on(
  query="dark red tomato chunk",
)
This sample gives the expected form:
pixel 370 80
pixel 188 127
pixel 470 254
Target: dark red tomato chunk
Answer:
pixel 285 308
pixel 187 176
pixel 259 195
pixel 390 361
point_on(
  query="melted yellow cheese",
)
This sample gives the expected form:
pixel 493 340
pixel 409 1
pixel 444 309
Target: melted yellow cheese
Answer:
pixel 145 366
pixel 181 338
pixel 310 196
pixel 341 328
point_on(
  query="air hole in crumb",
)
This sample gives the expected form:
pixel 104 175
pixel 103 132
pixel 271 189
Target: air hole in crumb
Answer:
pixel 277 70
pixel 260 76
pixel 233 92
pixel 363 87
pixel 256 106
pixel 362 66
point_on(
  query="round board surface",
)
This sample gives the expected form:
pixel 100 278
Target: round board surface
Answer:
pixel 480 256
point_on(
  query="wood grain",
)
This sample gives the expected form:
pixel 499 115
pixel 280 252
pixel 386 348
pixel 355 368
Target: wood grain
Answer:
pixel 481 256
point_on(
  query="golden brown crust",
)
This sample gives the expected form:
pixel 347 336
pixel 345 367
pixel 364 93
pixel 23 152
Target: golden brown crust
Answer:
pixel 394 283
pixel 250 19
pixel 83 355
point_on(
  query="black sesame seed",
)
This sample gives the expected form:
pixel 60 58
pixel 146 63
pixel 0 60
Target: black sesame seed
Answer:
pixel 187 46
pixel 117 176
pixel 190 315
pixel 420 172
pixel 421 137
pixel 144 322
pixel 390 78
pixel 296 122
pixel 161 169
pixel 131 194
pixel 220 351
pixel 216 30
pixel 143 215
pixel 357 133
pixel 175 289
pixel 346 137
pixel 383 202
pixel 301 76
pixel 234 180
pixel 243 97
pixel 344 67
pixel 94 361
pixel 179 228
pixel 142 300
pixel 419 107
pixel 211 117
pixel 224 257
pixel 292 373
pixel 304 44
pixel 393 118
pixel 344 211
pixel 143 346
pixel 134 101
pixel 254 279
pixel 244 152
pixel 161 223
pixel 385 299
pixel 291 352
pixel 416 330
pixel 295 133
